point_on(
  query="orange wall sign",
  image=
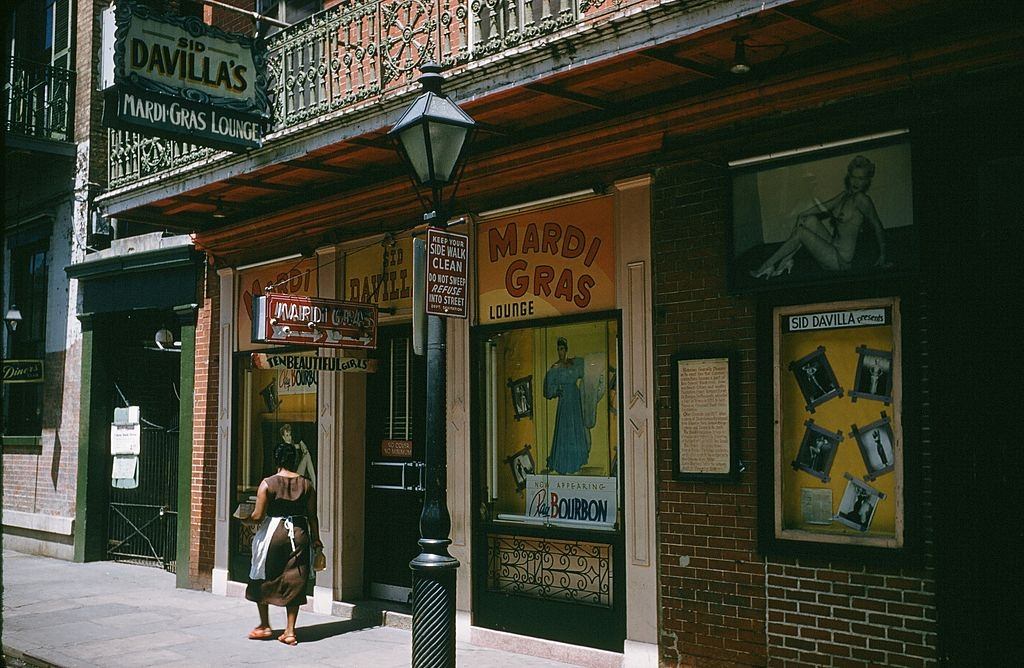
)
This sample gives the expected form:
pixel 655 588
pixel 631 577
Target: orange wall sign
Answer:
pixel 291 277
pixel 545 263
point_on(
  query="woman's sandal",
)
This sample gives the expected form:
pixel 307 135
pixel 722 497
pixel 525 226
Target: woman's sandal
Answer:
pixel 288 639
pixel 261 633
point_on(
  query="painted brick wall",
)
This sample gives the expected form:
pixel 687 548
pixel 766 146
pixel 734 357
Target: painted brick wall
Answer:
pixel 722 602
pixel 204 431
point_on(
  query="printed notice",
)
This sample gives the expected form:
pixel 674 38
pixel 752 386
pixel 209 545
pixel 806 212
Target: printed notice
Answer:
pixel 447 273
pixel 816 505
pixel 704 415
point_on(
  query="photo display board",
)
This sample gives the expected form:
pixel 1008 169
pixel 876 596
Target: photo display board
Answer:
pixel 838 445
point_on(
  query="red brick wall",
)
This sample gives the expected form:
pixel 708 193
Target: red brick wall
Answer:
pixel 204 435
pixel 730 605
pixel 713 608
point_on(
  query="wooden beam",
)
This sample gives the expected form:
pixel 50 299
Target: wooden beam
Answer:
pixel 812 22
pixel 554 91
pixel 320 167
pixel 263 185
pixel 663 56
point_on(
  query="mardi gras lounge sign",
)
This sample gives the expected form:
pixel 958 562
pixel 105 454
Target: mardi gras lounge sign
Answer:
pixel 176 77
pixel 325 323
pixel 545 263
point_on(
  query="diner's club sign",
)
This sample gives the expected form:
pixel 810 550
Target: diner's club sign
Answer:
pixel 176 77
pixel 325 323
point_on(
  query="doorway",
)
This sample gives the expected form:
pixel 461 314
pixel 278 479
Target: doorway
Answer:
pixel 395 426
pixel 142 522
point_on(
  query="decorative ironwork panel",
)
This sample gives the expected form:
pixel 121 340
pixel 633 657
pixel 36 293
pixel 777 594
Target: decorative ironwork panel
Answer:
pixel 132 157
pixel 409 31
pixel 503 24
pixel 39 100
pixel 576 571
pixel 324 63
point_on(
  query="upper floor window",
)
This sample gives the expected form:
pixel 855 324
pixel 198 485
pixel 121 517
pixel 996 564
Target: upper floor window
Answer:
pixel 288 11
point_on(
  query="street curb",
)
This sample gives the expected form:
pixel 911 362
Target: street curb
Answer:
pixel 28 659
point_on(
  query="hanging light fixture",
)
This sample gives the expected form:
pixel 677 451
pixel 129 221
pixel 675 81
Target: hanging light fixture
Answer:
pixel 13 318
pixel 739 59
pixel 219 213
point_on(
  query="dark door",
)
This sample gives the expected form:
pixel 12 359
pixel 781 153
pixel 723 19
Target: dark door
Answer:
pixel 394 491
pixel 142 517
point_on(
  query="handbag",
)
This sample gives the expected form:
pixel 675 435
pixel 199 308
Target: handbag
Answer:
pixel 319 559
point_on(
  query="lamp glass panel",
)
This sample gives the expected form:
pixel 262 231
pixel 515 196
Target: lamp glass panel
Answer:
pixel 414 142
pixel 446 143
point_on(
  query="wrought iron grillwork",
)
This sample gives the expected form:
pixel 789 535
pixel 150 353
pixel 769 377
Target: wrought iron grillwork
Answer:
pixel 353 55
pixel 576 571
pixel 39 100
pixel 143 522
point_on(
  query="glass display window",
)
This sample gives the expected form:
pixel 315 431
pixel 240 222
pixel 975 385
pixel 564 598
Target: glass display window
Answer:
pixel 552 424
pixel 277 405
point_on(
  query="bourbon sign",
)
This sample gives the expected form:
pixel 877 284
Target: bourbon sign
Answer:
pixel 325 323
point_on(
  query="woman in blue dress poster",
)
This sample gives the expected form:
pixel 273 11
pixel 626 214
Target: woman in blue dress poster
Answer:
pixel 570 447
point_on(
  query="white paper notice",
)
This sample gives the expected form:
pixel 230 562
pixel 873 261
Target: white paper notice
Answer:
pixel 704 415
pixel 124 466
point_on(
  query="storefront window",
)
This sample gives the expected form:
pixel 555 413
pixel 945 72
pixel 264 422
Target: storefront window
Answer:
pixel 278 405
pixel 277 397
pixel 552 425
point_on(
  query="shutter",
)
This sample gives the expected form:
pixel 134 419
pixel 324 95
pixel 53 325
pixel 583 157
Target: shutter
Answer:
pixel 61 54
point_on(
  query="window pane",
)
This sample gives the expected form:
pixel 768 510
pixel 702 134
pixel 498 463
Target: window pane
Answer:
pixel 552 424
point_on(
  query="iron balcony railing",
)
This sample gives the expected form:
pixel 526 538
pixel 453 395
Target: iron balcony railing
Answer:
pixel 39 100
pixel 356 54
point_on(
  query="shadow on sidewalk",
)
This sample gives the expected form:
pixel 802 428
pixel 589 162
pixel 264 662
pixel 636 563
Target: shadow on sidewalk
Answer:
pixel 316 632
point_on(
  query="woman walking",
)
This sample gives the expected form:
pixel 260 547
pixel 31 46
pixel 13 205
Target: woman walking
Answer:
pixel 286 513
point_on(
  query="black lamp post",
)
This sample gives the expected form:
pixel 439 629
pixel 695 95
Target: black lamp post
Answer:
pixel 432 137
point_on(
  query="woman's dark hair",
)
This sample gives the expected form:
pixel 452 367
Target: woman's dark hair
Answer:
pixel 562 343
pixel 284 456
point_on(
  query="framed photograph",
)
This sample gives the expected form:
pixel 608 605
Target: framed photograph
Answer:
pixel 874 375
pixel 858 505
pixel 817 451
pixel 705 416
pixel 521 392
pixel 877 447
pixel 816 378
pixel 823 214
pixel 804 423
pixel 522 465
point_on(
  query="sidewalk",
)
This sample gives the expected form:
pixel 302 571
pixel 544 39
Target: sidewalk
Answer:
pixel 107 614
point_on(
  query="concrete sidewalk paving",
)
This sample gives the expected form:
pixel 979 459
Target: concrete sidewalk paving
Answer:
pixel 107 614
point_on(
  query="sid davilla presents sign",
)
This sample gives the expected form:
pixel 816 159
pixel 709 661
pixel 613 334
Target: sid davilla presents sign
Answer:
pixel 179 78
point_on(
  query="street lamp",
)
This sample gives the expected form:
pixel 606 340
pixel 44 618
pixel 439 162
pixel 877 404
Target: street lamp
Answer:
pixel 432 136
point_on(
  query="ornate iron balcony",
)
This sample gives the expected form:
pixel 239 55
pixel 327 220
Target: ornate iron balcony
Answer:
pixel 356 54
pixel 39 100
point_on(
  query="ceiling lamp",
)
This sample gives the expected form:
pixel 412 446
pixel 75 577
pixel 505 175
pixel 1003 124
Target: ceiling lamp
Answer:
pixel 739 59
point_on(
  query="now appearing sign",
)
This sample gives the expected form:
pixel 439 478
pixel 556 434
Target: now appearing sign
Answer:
pixel 447 274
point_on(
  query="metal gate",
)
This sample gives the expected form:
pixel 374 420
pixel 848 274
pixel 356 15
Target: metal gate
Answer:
pixel 143 522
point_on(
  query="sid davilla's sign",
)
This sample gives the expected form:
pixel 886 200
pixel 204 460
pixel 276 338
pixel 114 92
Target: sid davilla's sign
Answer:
pixel 179 78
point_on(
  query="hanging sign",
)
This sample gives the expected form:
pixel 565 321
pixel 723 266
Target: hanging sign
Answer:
pixel 550 262
pixel 447 292
pixel 291 277
pixel 392 447
pixel 310 363
pixel 177 77
pixel 22 371
pixel 325 323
